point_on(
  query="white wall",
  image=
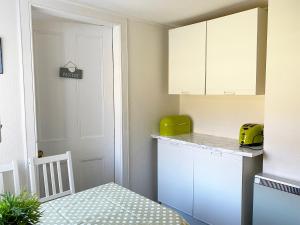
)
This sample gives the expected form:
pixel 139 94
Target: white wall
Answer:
pixel 222 115
pixel 148 100
pixel 282 104
pixel 11 100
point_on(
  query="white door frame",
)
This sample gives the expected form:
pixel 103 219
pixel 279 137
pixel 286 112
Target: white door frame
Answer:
pixel 89 15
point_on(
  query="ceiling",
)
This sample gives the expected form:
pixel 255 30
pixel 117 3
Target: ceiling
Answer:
pixel 174 12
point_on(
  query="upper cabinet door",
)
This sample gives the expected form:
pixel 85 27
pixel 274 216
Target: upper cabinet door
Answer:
pixel 236 53
pixel 187 57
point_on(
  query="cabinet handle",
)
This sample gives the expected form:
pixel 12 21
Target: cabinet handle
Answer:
pixel 216 153
pixel 174 143
pixel 229 93
pixel 185 92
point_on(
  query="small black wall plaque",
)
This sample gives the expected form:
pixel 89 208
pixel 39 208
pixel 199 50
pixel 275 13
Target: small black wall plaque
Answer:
pixel 1 61
pixel 66 73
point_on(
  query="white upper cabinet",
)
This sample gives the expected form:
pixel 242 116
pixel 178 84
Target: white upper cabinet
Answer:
pixel 223 56
pixel 236 53
pixel 187 56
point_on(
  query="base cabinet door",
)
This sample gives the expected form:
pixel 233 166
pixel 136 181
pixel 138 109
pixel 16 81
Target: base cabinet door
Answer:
pixel 175 176
pixel 217 188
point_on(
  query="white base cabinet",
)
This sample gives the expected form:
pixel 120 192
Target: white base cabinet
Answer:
pixel 212 186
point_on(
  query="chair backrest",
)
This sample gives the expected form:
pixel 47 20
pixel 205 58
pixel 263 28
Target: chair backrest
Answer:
pixel 10 167
pixel 51 161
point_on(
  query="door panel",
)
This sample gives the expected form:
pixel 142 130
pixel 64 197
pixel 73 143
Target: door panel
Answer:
pixel 90 103
pixel 93 166
pixel 76 115
pixel 51 89
pixel 95 146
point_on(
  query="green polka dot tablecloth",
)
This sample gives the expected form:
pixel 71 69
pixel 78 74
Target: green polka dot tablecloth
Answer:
pixel 107 205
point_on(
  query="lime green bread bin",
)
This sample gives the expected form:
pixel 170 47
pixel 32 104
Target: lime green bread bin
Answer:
pixel 175 125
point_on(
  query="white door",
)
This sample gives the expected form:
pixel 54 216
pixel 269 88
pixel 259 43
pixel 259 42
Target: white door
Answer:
pixel 73 114
pixel 175 176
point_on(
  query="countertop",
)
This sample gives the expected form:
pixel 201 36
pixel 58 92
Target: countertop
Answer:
pixel 214 143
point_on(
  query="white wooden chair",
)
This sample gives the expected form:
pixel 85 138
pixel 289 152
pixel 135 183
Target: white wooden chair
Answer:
pixel 51 161
pixel 10 167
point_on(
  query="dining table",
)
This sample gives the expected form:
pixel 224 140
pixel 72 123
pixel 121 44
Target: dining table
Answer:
pixel 106 205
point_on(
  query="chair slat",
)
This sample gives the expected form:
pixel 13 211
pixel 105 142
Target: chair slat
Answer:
pixel 52 178
pixel 59 176
pixel 70 171
pixel 46 180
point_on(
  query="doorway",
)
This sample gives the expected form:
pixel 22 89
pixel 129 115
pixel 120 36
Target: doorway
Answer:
pixel 75 115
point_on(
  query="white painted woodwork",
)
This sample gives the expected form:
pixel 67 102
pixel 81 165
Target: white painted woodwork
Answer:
pixel 50 185
pixel 217 187
pixel 87 15
pixel 187 58
pixel 236 49
pixel 76 115
pixel 175 176
pixel 6 168
pixel 211 186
